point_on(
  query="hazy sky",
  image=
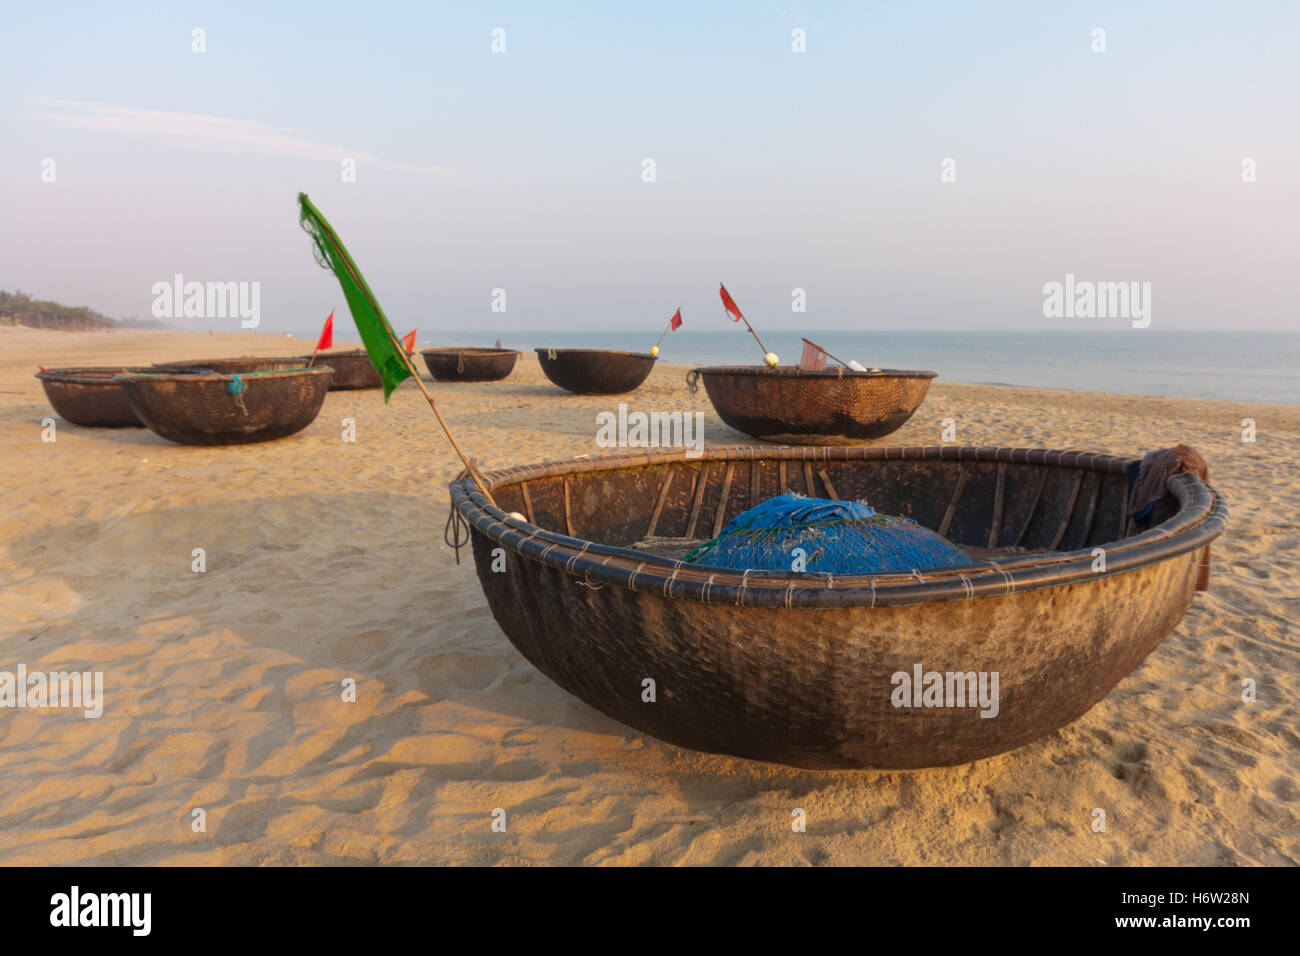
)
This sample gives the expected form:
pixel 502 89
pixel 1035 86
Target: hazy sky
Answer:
pixel 775 170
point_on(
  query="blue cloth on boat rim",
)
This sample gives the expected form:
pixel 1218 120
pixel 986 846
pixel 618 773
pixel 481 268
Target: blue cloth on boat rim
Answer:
pixel 836 537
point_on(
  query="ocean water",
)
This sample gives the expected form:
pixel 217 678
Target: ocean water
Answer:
pixel 1236 366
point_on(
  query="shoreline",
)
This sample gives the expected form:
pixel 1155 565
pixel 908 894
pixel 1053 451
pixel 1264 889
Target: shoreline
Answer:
pixel 224 342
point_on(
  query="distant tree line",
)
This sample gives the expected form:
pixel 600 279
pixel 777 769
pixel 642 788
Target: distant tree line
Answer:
pixel 19 308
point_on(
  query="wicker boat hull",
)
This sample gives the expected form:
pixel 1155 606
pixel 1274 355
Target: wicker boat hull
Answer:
pixel 352 370
pixel 89 396
pixel 804 673
pixel 798 407
pixel 595 371
pixel 470 364
pixel 201 409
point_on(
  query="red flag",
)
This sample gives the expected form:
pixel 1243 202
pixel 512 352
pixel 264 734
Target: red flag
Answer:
pixel 327 334
pixel 676 323
pixel 409 341
pixel 814 357
pixel 42 368
pixel 729 304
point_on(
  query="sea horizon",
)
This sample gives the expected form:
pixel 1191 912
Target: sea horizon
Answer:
pixel 1244 366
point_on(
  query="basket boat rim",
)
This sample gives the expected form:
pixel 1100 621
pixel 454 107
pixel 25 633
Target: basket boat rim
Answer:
pixel 198 374
pixel 1202 516
pixel 89 374
pixel 203 363
pixel 468 350
pixel 544 352
pixel 794 371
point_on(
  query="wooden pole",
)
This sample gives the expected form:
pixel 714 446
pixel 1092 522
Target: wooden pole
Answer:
pixel 755 335
pixel 748 326
pixel 344 258
pixel 410 367
pixel 668 328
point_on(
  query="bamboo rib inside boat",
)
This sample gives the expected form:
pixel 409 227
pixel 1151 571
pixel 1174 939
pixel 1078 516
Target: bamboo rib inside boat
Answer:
pixel 997 504
pixel 1033 507
pixel 720 517
pixel 1069 511
pixel 699 500
pixel 659 503
pixel 962 474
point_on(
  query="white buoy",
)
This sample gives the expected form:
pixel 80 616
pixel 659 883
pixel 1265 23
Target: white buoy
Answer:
pixel 771 359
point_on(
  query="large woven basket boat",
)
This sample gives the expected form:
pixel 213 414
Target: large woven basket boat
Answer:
pixel 470 364
pixel 800 407
pixel 595 371
pixel 90 396
pixel 200 407
pixel 352 369
pixel 800 669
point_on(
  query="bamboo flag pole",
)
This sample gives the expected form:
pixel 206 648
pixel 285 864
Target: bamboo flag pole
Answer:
pixel 675 321
pixel 326 332
pixel 729 304
pixel 360 283
pixel 410 367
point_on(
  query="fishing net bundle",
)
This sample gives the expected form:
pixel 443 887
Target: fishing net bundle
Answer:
pixel 836 537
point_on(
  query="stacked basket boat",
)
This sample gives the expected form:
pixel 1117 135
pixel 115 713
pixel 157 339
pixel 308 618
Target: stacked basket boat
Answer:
pixel 352 370
pixel 90 396
pixel 201 406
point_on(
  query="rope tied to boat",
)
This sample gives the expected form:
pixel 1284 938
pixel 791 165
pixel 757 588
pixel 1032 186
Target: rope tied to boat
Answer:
pixel 455 533
pixel 236 388
pixel 693 380
pixel 550 354
pixel 460 362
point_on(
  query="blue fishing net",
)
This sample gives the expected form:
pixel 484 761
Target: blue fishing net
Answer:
pixel 836 537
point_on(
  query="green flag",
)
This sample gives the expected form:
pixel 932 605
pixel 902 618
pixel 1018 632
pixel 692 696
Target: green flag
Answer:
pixel 376 333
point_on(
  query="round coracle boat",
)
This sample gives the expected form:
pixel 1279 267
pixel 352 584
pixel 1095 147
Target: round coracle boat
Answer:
pixel 1065 595
pixel 351 369
pixel 801 407
pixel 201 407
pixel 595 371
pixel 470 364
pixel 90 396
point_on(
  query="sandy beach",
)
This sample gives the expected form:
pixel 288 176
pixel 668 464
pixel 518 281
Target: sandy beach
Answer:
pixel 325 561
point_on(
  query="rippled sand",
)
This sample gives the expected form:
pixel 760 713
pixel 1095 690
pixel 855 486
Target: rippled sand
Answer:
pixel 325 562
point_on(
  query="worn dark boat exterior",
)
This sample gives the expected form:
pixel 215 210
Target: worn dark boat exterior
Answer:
pixel 1066 596
pixel 201 407
pixel 352 369
pixel 470 364
pixel 89 396
pixel 596 371
pixel 827 407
